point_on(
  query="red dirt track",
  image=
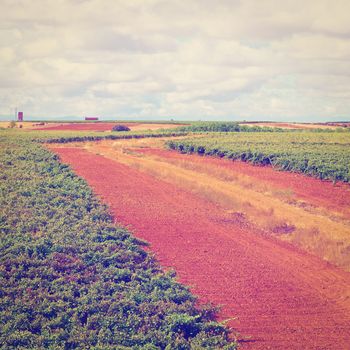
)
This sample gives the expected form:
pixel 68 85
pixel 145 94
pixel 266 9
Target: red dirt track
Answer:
pixel 335 197
pixel 283 298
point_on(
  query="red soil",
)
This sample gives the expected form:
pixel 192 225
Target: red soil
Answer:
pixel 105 126
pixel 84 126
pixel 320 193
pixel 284 298
pixel 288 126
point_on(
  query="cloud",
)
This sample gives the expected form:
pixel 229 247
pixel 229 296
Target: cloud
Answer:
pixel 197 59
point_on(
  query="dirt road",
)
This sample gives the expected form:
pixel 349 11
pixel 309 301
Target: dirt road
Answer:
pixel 283 298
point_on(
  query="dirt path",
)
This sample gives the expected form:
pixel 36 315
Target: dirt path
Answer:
pixel 283 298
pixel 309 213
pixel 332 197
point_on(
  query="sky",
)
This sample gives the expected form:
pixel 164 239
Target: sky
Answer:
pixel 186 60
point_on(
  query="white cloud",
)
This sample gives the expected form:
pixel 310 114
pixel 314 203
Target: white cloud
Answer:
pixel 197 59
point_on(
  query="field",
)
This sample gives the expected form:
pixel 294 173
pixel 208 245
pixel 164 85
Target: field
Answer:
pixel 324 155
pixel 312 214
pixel 271 247
pixel 89 126
pixel 106 126
pixel 298 126
pixel 71 279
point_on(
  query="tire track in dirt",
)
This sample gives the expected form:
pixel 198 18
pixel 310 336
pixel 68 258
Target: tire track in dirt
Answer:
pixel 284 298
pixel 269 200
pixel 331 196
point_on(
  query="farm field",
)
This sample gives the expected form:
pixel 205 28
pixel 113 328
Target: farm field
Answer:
pixel 298 126
pixel 175 175
pixel 320 154
pixel 106 126
pixel 25 125
pixel 249 238
pixel 90 126
pixel 72 279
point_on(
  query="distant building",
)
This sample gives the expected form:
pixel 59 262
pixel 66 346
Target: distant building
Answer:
pixel 20 116
pixel 91 118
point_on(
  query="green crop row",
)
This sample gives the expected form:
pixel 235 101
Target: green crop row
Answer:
pixel 321 155
pixel 201 127
pixel 224 127
pixel 118 136
pixel 71 279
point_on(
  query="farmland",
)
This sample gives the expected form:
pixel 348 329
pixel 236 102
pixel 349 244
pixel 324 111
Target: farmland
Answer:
pixel 88 126
pixel 322 155
pixel 230 231
pixel 295 208
pixel 271 247
pixel 298 126
pixel 101 126
pixel 71 278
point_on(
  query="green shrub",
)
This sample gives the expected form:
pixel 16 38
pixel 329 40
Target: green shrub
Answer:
pixel 120 127
pixel 224 127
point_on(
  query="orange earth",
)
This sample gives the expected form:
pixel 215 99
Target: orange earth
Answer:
pixel 279 296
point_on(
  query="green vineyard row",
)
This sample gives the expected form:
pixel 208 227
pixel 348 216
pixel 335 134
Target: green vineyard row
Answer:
pixel 321 155
pixel 118 136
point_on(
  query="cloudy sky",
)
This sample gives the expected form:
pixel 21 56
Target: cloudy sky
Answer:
pixel 190 59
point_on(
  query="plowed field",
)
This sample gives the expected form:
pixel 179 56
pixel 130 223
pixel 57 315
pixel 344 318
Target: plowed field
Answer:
pixel 283 297
pixel 104 126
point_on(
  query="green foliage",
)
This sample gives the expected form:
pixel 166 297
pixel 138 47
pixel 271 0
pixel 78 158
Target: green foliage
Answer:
pixel 71 279
pixel 322 155
pixel 121 136
pixel 223 127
